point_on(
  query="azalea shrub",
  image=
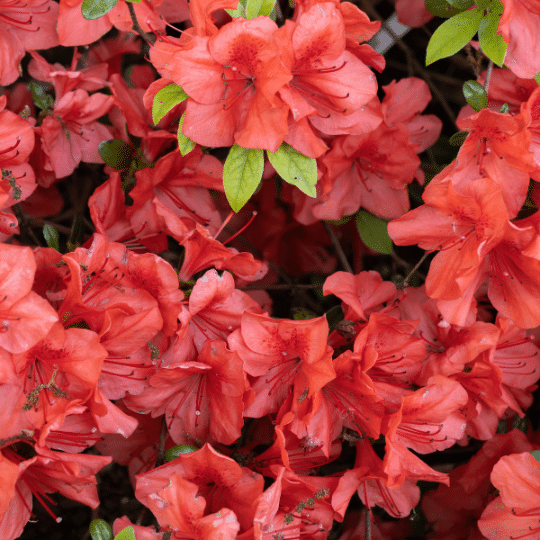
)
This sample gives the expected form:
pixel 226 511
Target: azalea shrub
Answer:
pixel 202 278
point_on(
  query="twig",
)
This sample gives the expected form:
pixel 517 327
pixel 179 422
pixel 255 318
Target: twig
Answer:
pixel 137 27
pixel 368 523
pixel 160 459
pixel 416 267
pixel 281 287
pixel 338 248
pixel 488 76
pixel 309 301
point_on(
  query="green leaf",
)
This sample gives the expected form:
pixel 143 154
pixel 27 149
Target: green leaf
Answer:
pixel 185 144
pixel 476 95
pixel 133 1
pixel 491 43
pixel 100 530
pixel 126 534
pixel 94 9
pixel 116 153
pixel 173 452
pixel 457 139
pixel 302 314
pixel 240 10
pixel 51 237
pixel 165 100
pixel 537 78
pixel 242 173
pixel 254 8
pixel 536 455
pixel 295 168
pixel 453 35
pixel 373 232
pixel 43 100
pixel 446 9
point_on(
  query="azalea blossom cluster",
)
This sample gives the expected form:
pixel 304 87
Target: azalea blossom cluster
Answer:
pixel 149 336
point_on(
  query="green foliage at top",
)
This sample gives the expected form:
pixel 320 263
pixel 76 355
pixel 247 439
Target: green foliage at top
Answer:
pixel 94 9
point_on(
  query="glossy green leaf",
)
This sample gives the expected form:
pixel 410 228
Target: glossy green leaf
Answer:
pixel 126 534
pixel 373 232
pixel 475 94
pixel 133 1
pixel 116 153
pixel 242 173
pixel 51 237
pixel 457 139
pixel 453 35
pixel 94 9
pixel 43 100
pixel 185 144
pixel 254 8
pixel 100 530
pixel 446 9
pixel 537 78
pixel 295 168
pixel 173 452
pixel 491 43
pixel 165 100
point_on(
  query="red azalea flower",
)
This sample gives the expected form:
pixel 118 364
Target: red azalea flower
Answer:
pixel 232 79
pixel 71 134
pixel 515 513
pixel 73 475
pixel 518 26
pixel 202 495
pixel 24 26
pixel 193 394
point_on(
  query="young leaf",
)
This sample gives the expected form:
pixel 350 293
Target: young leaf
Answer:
pixel 116 153
pixel 491 43
pixel 446 9
pixel 165 100
pixel 100 530
pixel 536 455
pixel 240 10
pixel 373 232
pixel 242 173
pixel 254 8
pixel 295 168
pixel 537 78
pixel 475 95
pixel 51 237
pixel 457 139
pixel 185 144
pixel 505 108
pixel 94 9
pixel 43 100
pixel 173 452
pixel 453 35
pixel 126 534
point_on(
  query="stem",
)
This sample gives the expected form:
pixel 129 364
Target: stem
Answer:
pixel 280 287
pixel 368 523
pixel 488 76
pixel 137 27
pixel 416 267
pixel 160 459
pixel 338 248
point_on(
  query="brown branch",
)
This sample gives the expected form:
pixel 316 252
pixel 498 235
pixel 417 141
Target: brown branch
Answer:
pixel 137 27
